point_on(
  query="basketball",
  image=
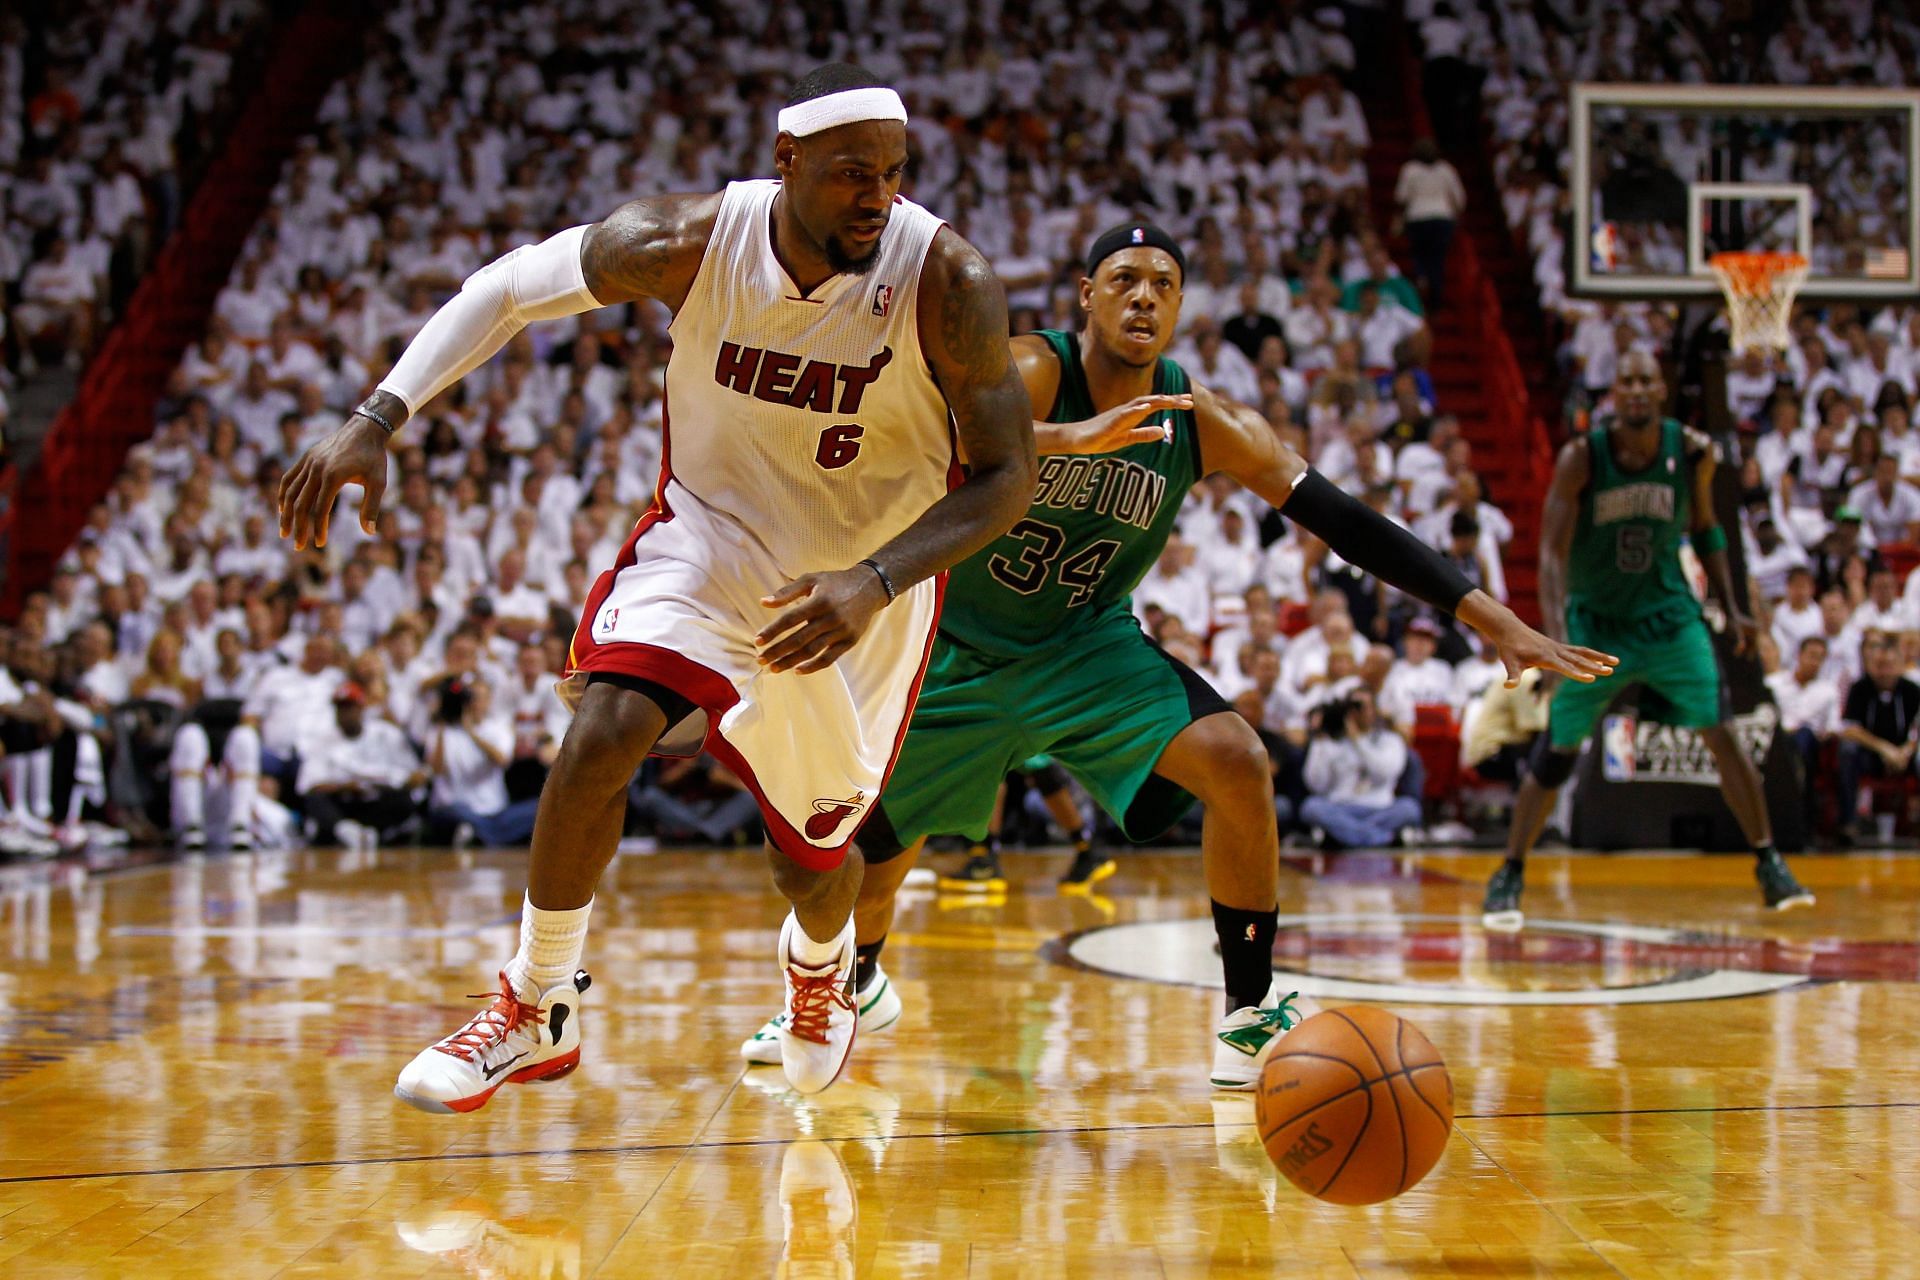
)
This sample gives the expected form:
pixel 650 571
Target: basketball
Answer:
pixel 1354 1106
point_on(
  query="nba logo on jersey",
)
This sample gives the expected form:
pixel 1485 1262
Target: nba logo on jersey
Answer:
pixel 1139 235
pixel 882 299
pixel 609 620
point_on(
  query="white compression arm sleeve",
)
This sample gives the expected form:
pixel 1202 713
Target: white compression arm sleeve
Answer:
pixel 535 282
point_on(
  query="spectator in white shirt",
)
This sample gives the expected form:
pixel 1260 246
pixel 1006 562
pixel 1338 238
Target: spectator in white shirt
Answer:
pixel 1770 558
pixel 1218 364
pixel 57 297
pixel 1353 769
pixel 232 676
pixel 467 753
pixel 1418 679
pixel 1357 460
pixel 1431 198
pixel 1480 668
pixel 539 718
pixel 1750 384
pixel 1305 665
pixel 289 702
pixel 1257 622
pixel 1177 586
pixel 104 680
pixel 1381 329
pixel 1888 505
pixel 356 776
pixel 1798 615
pixel 1884 609
pixel 1232 558
pixel 1809 706
pixel 1843 637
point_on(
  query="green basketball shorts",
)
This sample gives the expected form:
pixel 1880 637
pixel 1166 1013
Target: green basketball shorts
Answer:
pixel 1103 708
pixel 1679 666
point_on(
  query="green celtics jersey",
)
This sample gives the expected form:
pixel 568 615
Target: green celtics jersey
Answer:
pixel 1097 524
pixel 1625 562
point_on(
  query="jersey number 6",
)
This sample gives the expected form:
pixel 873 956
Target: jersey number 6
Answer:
pixel 839 445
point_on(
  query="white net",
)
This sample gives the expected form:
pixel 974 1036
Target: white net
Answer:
pixel 1760 289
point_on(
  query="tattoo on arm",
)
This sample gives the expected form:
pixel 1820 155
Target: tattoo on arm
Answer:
pixel 973 323
pixel 644 249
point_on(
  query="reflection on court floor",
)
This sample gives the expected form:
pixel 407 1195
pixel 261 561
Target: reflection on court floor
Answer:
pixel 196 1060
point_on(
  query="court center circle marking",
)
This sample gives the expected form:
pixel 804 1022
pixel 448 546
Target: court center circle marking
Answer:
pixel 1181 952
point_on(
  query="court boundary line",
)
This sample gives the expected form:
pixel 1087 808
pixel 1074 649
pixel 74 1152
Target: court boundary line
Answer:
pixel 646 1148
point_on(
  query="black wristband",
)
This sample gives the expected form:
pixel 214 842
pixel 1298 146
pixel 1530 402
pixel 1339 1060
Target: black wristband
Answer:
pixel 1365 538
pixel 886 583
pixel 366 410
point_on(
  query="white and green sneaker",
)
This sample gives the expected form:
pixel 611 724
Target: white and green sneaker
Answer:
pixel 876 1008
pixel 1244 1035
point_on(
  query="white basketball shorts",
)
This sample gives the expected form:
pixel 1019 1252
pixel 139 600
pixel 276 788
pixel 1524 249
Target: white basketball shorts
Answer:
pixel 681 606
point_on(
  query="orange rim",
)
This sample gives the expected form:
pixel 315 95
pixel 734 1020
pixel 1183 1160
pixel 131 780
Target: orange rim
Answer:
pixel 1752 274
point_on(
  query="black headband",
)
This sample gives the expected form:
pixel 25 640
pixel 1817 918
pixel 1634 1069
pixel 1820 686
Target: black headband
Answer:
pixel 1131 235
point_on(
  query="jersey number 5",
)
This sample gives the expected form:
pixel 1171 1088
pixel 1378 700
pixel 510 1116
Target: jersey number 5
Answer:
pixel 839 445
pixel 1633 548
pixel 1040 544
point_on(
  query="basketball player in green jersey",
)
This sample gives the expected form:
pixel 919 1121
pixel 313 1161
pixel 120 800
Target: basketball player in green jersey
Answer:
pixel 1039 652
pixel 1623 495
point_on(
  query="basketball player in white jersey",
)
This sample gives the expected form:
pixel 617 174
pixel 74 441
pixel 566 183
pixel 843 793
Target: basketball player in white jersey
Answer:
pixel 777 603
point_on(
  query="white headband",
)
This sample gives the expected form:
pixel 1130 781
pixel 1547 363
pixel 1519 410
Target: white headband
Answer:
pixel 849 106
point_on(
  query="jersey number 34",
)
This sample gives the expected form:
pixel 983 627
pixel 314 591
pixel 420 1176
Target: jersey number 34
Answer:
pixel 1040 545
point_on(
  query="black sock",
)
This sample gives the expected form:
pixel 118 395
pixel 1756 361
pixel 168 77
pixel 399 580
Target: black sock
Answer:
pixel 1762 852
pixel 868 954
pixel 1246 952
pixel 992 845
pixel 1083 838
pixel 1518 864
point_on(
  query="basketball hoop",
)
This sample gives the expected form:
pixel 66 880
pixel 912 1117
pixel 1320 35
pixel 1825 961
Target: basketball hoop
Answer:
pixel 1760 289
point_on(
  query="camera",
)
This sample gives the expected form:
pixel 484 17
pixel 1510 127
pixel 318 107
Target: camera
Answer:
pixel 1333 718
pixel 455 695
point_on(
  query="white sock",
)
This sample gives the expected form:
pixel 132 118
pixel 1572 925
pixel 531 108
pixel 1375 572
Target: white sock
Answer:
pixel 550 946
pixel 809 954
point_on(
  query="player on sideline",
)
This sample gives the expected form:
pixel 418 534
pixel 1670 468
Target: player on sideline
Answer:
pixel 1039 650
pixel 825 333
pixel 1622 496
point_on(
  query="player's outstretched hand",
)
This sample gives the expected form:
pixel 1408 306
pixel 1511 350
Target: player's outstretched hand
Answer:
pixel 1126 425
pixel 1523 647
pixel 821 616
pixel 355 454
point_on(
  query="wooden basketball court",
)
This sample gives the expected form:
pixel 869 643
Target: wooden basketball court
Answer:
pixel 196 1063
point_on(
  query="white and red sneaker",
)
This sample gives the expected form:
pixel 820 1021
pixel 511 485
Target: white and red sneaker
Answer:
pixel 877 1006
pixel 820 1013
pixel 509 1042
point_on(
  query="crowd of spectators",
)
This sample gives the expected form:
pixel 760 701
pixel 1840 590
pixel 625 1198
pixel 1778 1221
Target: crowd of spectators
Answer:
pixel 101 110
pixel 1830 464
pixel 401 682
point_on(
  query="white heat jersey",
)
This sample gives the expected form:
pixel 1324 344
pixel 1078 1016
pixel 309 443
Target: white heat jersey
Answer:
pixel 814 422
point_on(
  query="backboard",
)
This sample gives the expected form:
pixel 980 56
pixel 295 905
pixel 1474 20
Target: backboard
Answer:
pixel 1664 176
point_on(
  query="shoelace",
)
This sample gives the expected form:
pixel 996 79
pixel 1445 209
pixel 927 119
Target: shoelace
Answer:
pixel 493 1024
pixel 813 1001
pixel 1282 1017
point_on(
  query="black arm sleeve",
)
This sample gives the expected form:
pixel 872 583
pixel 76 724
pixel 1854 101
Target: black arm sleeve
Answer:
pixel 1365 538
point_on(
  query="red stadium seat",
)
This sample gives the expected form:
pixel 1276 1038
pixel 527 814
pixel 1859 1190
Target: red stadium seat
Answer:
pixel 1901 557
pixel 1436 739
